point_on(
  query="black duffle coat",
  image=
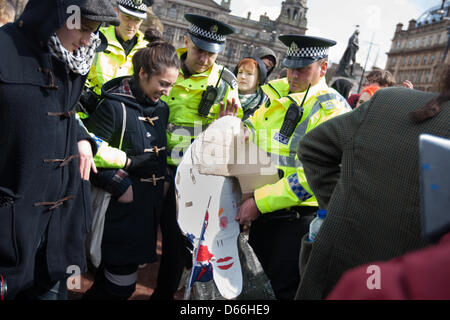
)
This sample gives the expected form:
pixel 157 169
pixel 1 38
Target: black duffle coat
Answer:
pixel 131 228
pixel 40 183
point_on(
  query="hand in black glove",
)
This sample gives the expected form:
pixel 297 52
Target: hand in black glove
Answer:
pixel 114 181
pixel 144 165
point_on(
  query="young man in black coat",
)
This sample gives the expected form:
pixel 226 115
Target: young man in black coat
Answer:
pixel 46 155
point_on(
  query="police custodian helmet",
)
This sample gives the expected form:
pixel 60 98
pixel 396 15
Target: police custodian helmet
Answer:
pixel 304 50
pixel 208 34
pixel 135 8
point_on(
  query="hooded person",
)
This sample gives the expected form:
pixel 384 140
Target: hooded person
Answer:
pixel 268 57
pixel 343 86
pixel 44 201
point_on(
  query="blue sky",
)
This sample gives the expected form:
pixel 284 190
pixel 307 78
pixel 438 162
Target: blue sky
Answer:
pixel 336 19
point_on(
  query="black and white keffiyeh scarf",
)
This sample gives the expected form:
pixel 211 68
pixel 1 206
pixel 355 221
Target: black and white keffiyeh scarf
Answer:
pixel 79 61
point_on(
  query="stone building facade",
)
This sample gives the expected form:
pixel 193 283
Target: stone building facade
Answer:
pixel 417 53
pixel 250 34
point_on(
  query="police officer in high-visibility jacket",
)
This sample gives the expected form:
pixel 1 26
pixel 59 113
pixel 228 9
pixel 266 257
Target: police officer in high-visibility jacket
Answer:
pixel 281 212
pixel 201 86
pixel 123 42
pixel 194 102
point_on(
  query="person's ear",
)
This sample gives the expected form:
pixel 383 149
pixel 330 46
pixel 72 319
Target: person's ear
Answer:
pixel 186 40
pixel 323 68
pixel 142 74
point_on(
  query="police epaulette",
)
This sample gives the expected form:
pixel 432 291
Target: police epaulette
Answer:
pixel 229 78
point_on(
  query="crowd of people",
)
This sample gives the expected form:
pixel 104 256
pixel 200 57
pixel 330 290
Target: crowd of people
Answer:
pixel 106 106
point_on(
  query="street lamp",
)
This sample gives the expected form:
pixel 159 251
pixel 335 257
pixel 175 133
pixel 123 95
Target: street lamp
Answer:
pixel 371 43
pixel 441 11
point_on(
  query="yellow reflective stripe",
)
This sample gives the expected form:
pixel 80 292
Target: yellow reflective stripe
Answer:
pixel 300 131
pixel 285 161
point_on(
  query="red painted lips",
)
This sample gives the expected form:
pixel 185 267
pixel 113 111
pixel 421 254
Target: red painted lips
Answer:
pixel 223 261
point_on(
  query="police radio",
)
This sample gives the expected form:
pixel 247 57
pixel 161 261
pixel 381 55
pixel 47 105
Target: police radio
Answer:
pixel 293 116
pixel 209 97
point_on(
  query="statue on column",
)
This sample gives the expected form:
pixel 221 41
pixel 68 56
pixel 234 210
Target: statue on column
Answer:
pixel 349 56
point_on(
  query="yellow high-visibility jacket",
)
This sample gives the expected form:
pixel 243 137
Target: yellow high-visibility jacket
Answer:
pixel 185 122
pixel 112 62
pixel 321 104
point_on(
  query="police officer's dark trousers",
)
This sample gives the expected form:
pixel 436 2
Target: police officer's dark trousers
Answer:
pixel 276 239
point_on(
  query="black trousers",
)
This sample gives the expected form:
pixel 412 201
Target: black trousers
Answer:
pixel 175 255
pixel 276 239
pixel 43 288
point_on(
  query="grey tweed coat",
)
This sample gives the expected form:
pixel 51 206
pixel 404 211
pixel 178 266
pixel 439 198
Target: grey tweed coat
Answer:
pixel 364 168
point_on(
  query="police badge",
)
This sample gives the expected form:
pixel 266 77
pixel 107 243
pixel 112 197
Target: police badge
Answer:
pixel 214 28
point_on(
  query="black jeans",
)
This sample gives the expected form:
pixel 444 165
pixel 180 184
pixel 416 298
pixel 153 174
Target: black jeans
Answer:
pixel 276 239
pixel 43 288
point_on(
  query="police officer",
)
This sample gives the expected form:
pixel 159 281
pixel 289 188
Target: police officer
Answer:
pixel 281 212
pixel 194 102
pixel 123 42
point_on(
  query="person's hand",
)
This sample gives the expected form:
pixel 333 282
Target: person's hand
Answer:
pixel 248 212
pixel 407 84
pixel 86 162
pixel 231 108
pixel 127 197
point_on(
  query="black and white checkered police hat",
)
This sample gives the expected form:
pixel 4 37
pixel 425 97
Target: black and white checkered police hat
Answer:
pixel 135 8
pixel 304 50
pixel 208 34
